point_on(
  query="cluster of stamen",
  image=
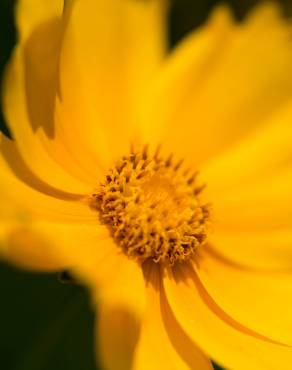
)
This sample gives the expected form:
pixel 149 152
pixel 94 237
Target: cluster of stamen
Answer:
pixel 152 208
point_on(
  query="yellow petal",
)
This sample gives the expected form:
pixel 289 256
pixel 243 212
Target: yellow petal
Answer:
pixel 250 186
pixel 95 256
pixel 41 53
pixel 261 250
pixel 27 140
pixel 182 74
pixel 162 343
pixel 118 332
pixel 111 50
pixel 263 205
pixel 121 304
pixel 228 342
pixel 33 198
pixel 41 245
pixel 245 295
pixel 260 154
pixel 32 13
pixel 244 76
pixel 28 250
pixel 12 159
pixel 30 88
pixel 22 240
pixel 40 30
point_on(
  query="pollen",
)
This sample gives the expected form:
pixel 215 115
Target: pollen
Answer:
pixel 152 208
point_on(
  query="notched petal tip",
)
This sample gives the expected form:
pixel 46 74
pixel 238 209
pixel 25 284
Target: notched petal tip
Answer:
pixel 220 16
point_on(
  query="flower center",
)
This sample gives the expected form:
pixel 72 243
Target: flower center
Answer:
pixel 152 208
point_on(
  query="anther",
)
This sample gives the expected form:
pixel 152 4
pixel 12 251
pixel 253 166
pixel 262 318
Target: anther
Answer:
pixel 193 177
pixel 154 213
pixel 178 165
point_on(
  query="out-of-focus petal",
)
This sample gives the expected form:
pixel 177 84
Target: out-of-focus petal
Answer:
pixel 32 13
pixel 121 305
pixel 118 331
pixel 49 246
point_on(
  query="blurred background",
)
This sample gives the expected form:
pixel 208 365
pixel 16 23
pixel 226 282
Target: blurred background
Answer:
pixel 46 324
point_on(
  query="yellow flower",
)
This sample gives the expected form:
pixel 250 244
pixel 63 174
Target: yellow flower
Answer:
pixel 94 180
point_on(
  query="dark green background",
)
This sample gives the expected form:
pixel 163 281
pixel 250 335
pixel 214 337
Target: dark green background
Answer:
pixel 44 324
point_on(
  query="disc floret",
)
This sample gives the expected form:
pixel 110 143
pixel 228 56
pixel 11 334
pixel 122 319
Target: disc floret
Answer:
pixel 152 208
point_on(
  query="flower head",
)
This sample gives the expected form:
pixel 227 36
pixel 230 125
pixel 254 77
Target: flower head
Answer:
pixel 162 180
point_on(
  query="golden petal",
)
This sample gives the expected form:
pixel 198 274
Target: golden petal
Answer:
pixel 112 48
pixel 27 138
pixel 227 341
pixel 32 13
pixel 162 343
pixel 121 305
pixel 268 250
pixel 222 83
pixel 260 300
pixel 261 206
